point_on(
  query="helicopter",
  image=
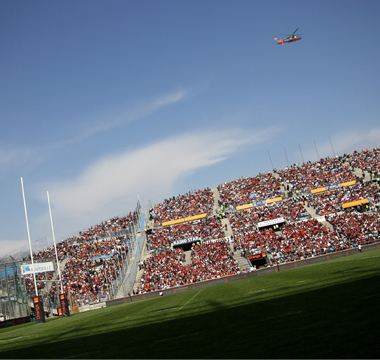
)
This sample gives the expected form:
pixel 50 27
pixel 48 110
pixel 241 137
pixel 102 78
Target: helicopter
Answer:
pixel 291 38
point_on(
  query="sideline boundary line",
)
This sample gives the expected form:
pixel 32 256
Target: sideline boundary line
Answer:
pixel 190 299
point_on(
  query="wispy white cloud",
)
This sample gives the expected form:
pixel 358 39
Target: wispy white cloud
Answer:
pixel 19 156
pixel 133 113
pixel 15 157
pixel 110 185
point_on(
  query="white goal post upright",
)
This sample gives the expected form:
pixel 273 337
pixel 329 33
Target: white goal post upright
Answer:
pixel 30 244
pixel 55 245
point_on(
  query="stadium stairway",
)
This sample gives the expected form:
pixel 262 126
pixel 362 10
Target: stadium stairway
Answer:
pixel 226 227
pixel 358 172
pixel 187 261
pixel 311 211
pixel 144 254
pixel 282 186
pixel 243 263
pixel 62 264
pixel 321 219
pixel 216 199
pixel 140 272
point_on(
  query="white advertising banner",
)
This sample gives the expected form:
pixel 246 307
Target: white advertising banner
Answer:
pixel 27 269
pixel 279 220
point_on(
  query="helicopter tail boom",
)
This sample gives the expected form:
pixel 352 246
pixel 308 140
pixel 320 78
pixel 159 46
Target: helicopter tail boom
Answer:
pixel 279 41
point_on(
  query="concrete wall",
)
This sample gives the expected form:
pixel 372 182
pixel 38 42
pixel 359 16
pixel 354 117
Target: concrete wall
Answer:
pixel 230 278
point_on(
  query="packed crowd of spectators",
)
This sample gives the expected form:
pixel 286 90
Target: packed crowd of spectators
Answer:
pixel 92 267
pixel 296 239
pixel 357 228
pixel 247 190
pixel 63 248
pixel 190 204
pixel 210 260
pixel 207 228
pixel 310 175
pixel 294 242
pixel 92 261
pixel 307 239
pixel 331 201
pixel 163 270
pixel 368 160
pixel 213 259
pixel 110 227
pixel 41 282
pixel 252 241
pixel 290 210
pixel 89 270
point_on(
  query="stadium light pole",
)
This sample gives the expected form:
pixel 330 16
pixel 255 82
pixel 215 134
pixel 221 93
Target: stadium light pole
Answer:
pixel 55 244
pixel 286 157
pixel 271 160
pixel 303 161
pixel 316 151
pixel 332 147
pixel 30 244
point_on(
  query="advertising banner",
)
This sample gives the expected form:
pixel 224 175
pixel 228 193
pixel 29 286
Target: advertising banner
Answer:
pixel 257 256
pixel 279 220
pixel 315 191
pixel 186 219
pixel 258 203
pixel 243 207
pixel 354 203
pixel 186 241
pixel 333 186
pixel 39 309
pixel 64 305
pixel 270 201
pixel 27 269
pixel 349 183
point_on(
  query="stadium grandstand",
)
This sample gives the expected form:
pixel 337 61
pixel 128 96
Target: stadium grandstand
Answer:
pixel 278 217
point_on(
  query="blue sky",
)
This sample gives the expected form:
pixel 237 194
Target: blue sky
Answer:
pixel 102 102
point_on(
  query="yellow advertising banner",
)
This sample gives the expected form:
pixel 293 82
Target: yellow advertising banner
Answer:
pixel 242 207
pixel 349 183
pixel 196 217
pixel 173 222
pixel 355 203
pixel 270 201
pixel 179 221
pixel 315 191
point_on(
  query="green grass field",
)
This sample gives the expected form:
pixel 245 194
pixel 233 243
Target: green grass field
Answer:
pixel 326 310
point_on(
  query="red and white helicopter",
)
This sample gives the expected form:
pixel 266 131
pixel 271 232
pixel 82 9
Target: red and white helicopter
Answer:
pixel 291 38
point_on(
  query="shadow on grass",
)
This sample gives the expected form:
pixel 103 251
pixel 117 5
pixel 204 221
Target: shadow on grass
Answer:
pixel 340 321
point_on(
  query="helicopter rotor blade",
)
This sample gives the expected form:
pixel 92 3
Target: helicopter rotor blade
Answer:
pixel 295 31
pixel 290 34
